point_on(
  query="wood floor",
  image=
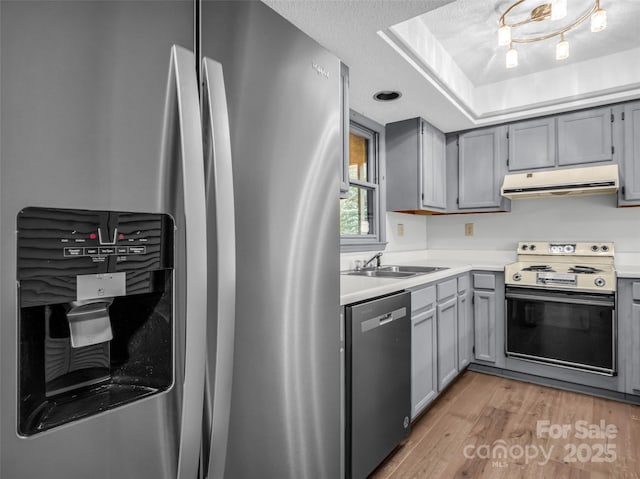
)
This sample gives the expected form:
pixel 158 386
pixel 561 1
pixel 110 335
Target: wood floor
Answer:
pixel 489 427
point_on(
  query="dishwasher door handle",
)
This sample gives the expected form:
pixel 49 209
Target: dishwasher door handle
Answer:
pixel 383 319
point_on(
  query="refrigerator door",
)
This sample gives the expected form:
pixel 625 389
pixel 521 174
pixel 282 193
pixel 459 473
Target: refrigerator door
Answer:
pixel 182 136
pixel 283 95
pixel 221 268
pixel 82 87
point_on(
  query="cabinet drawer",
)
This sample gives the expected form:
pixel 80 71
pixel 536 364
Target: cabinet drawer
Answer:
pixel 636 291
pixel 484 281
pixel 447 289
pixel 463 283
pixel 424 298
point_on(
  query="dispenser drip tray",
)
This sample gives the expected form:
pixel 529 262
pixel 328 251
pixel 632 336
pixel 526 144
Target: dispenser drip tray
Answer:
pixel 60 410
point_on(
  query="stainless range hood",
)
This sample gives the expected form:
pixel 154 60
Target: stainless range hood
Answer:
pixel 592 180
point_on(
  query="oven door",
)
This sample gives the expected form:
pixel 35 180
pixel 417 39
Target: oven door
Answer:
pixel 564 328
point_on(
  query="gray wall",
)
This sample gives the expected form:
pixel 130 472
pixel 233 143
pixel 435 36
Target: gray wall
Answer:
pixel 588 218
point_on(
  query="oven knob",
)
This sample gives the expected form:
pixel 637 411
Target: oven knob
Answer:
pixel 525 247
pixel 605 248
pixel 599 282
pixel 594 248
pixel 517 277
pixel 532 247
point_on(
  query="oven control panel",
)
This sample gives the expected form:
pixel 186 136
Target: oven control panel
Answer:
pixel 565 248
pixel 562 248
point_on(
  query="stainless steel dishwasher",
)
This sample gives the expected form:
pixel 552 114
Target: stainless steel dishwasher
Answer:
pixel 378 390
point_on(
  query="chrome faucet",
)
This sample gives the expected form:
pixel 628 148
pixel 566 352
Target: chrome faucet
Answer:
pixel 376 257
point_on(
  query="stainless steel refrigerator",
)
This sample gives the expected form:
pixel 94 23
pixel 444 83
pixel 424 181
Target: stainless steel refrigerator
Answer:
pixel 168 242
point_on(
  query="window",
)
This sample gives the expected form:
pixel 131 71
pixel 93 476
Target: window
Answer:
pixel 362 211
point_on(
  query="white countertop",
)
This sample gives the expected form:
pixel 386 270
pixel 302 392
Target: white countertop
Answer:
pixel 628 265
pixel 359 288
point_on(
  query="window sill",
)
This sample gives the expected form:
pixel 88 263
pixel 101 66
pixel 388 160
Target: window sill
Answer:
pixel 353 247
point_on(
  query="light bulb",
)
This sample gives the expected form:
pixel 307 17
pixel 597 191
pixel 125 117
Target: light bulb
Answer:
pixel 562 49
pixel 558 9
pixel 512 58
pixel 598 20
pixel 504 35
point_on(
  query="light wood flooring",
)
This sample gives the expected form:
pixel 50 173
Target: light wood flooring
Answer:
pixel 461 435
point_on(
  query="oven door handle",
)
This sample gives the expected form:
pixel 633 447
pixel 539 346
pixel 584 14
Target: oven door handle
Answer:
pixel 554 299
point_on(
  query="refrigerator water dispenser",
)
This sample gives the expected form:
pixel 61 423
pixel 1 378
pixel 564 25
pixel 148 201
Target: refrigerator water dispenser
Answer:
pixel 96 312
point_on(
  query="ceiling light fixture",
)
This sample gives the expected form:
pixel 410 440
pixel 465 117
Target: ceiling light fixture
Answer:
pixel 512 57
pixel 562 48
pixel 556 10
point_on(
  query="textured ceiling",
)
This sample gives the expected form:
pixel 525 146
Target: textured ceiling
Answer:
pixel 467 31
pixel 466 84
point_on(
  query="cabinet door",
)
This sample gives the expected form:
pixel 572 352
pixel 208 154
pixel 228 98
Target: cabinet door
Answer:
pixel 631 170
pixel 434 178
pixel 480 173
pixel 484 314
pixel 532 144
pixel 633 379
pixel 447 342
pixel 465 331
pixel 423 350
pixel 584 137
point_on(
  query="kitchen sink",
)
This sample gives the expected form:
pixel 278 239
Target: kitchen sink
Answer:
pixel 413 269
pixel 392 271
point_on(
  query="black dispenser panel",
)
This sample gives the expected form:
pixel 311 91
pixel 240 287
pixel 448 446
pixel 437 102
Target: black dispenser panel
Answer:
pixel 96 312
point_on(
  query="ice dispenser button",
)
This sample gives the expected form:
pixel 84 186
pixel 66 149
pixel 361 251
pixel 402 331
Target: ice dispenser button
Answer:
pixel 106 239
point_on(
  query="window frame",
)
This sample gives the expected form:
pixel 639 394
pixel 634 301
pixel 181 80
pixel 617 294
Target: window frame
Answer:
pixel 376 241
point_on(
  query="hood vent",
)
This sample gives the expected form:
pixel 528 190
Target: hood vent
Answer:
pixel 592 180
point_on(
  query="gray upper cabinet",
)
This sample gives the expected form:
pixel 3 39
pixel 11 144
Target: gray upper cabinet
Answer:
pixel 570 139
pixel 532 144
pixel 631 161
pixel 480 169
pixel 585 137
pixel 434 178
pixel 416 167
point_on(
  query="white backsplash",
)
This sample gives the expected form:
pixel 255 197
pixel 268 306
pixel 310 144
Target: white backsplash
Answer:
pixel 586 218
pixel 581 218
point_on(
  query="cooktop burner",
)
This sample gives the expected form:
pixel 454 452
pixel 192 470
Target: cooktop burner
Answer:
pixel 584 269
pixel 539 267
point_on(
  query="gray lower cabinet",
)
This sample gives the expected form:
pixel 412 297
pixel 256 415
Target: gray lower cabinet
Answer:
pixel 629 333
pixel 488 316
pixel 447 319
pixel 424 382
pixel 465 323
pixel 481 169
pixel 441 337
pixel 484 312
